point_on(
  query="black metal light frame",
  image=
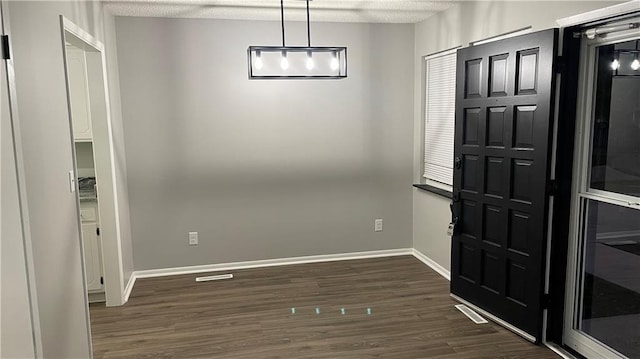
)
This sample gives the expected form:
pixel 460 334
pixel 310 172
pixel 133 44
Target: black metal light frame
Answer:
pixel 340 52
pixel 634 53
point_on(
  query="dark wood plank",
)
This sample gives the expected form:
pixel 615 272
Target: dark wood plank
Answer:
pixel 249 316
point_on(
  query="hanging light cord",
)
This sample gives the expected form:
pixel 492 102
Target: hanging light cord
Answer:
pixel 282 20
pixel 308 27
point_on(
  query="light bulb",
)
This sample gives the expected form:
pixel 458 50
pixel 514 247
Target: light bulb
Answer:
pixel 258 61
pixel 309 62
pixel 284 63
pixel 615 64
pixel 635 64
pixel 335 64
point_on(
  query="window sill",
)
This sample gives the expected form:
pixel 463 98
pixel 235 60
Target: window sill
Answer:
pixel 436 190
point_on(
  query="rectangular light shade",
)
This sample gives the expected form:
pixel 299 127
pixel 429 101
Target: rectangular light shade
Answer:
pixel 277 62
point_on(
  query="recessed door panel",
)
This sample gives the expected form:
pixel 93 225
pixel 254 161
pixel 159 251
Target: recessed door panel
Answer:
pixel 473 83
pixel 494 225
pixel 498 75
pixel 496 126
pixel 523 130
pixel 494 176
pixel 470 179
pixel 521 178
pixel 519 229
pixel 471 126
pixel 491 269
pixel 527 72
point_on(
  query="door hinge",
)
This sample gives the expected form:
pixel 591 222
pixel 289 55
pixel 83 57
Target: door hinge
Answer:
pixel 102 280
pixel 546 301
pixel 98 231
pixel 553 187
pixel 5 47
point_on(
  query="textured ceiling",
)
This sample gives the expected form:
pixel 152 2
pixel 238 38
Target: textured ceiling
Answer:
pixel 382 11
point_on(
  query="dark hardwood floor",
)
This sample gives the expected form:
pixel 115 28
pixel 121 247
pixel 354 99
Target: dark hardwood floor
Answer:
pixel 249 316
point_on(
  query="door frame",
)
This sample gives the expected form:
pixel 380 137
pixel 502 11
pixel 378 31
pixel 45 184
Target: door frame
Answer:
pixel 570 52
pixel 104 159
pixel 582 157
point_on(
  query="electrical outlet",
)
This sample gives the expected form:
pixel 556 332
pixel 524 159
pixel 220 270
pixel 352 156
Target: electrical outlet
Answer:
pixel 193 238
pixel 378 225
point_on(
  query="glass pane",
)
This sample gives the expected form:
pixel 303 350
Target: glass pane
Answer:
pixel 610 300
pixel 615 164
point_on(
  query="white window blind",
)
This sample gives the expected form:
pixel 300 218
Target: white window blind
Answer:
pixel 440 99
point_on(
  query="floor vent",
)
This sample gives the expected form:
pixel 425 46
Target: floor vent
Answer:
pixel 475 317
pixel 214 277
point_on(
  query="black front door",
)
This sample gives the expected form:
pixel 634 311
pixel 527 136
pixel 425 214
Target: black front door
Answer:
pixel 503 135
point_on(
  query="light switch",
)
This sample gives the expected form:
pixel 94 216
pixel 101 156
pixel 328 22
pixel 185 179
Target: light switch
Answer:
pixel 193 238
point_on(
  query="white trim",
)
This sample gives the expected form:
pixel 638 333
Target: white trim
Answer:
pixel 150 273
pixel 559 350
pixel 610 197
pixel 599 14
pixel 450 51
pixel 503 36
pixel 128 288
pixel 432 264
pixel 497 320
pixel 81 34
pixel 112 259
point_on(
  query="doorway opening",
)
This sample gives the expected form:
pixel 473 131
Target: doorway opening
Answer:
pixel 94 173
pixel 602 316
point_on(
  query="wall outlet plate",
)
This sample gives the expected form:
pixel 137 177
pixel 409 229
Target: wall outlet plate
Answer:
pixel 193 238
pixel 378 225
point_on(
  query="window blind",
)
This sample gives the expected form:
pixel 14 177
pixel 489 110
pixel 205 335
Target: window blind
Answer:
pixel 440 98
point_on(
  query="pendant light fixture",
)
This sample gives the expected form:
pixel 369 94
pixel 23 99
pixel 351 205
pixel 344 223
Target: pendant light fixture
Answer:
pixel 296 62
pixel 626 61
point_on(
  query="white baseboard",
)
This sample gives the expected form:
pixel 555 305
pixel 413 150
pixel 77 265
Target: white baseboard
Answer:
pixel 128 288
pixel 271 262
pixel 432 264
pixel 283 262
pixel 559 350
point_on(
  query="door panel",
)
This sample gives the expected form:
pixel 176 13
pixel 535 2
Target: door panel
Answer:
pixel 505 91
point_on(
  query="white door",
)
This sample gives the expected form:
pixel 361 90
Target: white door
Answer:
pixel 92 255
pixel 17 327
pixel 603 299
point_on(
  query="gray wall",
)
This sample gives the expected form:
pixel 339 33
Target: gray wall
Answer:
pixel 263 169
pixel 458 26
pixel 47 156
